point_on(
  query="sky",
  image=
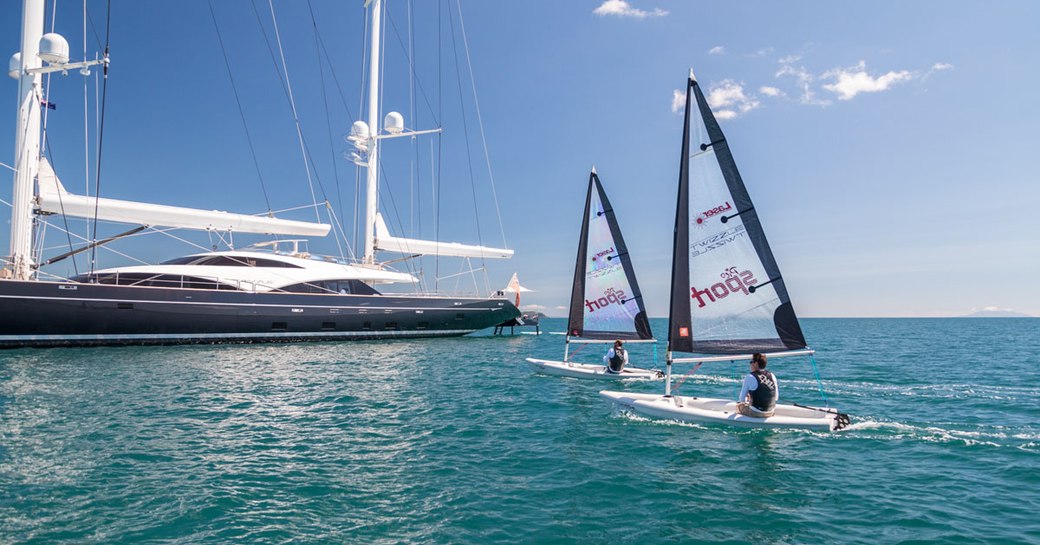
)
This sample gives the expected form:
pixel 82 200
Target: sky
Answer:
pixel 890 147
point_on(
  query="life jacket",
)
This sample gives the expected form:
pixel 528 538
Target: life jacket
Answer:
pixel 763 398
pixel 617 363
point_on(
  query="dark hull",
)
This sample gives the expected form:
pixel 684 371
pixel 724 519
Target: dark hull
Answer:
pixel 46 314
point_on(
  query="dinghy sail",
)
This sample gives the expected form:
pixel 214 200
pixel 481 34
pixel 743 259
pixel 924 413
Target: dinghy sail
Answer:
pixel 728 296
pixel 606 304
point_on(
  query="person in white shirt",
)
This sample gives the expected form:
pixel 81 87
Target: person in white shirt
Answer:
pixel 616 358
pixel 759 393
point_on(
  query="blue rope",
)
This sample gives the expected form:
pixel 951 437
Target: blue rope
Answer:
pixel 819 383
pixel 655 354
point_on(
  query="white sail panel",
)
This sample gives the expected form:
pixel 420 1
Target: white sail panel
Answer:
pixel 387 243
pixel 723 261
pixel 54 199
pixel 610 302
pixel 727 292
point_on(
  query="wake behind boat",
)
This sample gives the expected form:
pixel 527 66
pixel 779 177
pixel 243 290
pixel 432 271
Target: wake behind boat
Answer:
pixel 606 304
pixel 728 297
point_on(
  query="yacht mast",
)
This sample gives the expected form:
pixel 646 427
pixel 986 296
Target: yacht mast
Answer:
pixel 371 205
pixel 27 138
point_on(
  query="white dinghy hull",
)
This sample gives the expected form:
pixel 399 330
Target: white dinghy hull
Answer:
pixel 590 371
pixel 702 410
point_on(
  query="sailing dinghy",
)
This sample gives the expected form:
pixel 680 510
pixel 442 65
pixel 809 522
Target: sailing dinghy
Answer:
pixel 728 297
pixel 606 304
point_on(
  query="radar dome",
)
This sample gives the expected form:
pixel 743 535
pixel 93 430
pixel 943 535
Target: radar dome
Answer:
pixel 14 66
pixel 54 49
pixel 359 130
pixel 394 123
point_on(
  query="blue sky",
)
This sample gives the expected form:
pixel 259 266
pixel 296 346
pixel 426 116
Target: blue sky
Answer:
pixel 890 147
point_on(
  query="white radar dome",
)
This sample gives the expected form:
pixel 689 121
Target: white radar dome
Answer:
pixel 359 130
pixel 14 66
pixel 394 123
pixel 54 49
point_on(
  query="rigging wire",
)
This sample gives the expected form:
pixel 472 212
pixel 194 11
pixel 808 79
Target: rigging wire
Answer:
pixel 436 182
pixel 101 134
pixel 65 219
pixel 328 122
pixel 307 159
pixel 292 103
pixel 411 115
pixel 238 102
pixel 414 73
pixel 465 132
pixel 86 113
pixel 480 122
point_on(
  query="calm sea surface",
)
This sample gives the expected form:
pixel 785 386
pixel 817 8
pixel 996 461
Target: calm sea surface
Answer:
pixel 457 441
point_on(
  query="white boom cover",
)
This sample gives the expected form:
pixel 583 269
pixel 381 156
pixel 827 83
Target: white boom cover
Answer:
pixel 53 198
pixel 388 243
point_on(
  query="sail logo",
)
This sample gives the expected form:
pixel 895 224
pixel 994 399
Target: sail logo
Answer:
pixel 703 217
pixel 611 296
pixel 732 282
pixel 603 253
pixel 716 241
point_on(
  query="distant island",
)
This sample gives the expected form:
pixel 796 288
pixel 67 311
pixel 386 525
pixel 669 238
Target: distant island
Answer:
pixel 534 314
pixel 996 314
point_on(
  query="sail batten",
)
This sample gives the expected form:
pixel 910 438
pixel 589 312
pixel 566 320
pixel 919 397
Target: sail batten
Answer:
pixel 606 302
pixel 728 295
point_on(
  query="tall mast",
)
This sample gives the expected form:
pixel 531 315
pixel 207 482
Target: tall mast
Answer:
pixel 27 140
pixel 371 204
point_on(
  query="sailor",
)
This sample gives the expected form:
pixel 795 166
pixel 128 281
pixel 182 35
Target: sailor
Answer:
pixel 616 358
pixel 759 394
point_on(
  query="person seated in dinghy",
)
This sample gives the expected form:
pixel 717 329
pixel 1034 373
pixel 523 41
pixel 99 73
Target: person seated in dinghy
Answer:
pixel 759 393
pixel 616 358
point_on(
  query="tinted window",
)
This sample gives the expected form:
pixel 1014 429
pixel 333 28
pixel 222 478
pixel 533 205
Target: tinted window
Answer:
pixel 355 287
pixel 181 260
pixel 155 280
pixel 242 261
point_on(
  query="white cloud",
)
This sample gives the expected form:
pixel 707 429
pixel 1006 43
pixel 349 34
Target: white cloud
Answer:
pixel 845 82
pixel 849 82
pixel 533 307
pixel 803 79
pixel 717 50
pixel 678 100
pixel 728 99
pixel 770 91
pixel 762 52
pixel 621 8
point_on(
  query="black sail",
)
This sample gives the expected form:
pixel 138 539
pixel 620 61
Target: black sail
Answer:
pixel 605 299
pixel 727 292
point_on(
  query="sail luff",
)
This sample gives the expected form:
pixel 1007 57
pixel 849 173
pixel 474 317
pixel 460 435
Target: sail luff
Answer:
pixel 642 323
pixel 680 338
pixel 576 316
pixel 785 320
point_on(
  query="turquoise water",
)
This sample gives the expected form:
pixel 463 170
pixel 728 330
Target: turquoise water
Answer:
pixel 456 441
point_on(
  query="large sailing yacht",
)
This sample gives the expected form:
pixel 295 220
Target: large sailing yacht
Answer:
pixel 269 292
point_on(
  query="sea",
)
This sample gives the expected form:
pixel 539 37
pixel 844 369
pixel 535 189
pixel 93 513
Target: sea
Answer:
pixel 458 441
